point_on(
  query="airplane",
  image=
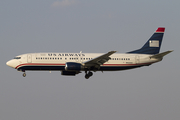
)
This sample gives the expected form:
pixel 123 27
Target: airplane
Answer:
pixel 71 64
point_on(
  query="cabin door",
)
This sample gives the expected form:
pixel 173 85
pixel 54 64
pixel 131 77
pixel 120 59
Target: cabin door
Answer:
pixel 137 59
pixel 29 58
pixel 80 57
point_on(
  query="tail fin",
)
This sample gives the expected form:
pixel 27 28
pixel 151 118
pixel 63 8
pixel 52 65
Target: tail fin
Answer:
pixel 153 45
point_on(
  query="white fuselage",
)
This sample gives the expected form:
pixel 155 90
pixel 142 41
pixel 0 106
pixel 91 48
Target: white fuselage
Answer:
pixel 57 61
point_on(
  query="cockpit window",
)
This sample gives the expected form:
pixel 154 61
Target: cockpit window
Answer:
pixel 17 58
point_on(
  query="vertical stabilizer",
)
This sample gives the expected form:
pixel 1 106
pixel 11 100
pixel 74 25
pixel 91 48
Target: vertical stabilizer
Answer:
pixel 153 45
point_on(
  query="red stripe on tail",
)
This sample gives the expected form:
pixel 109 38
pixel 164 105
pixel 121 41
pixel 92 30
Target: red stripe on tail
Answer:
pixel 160 29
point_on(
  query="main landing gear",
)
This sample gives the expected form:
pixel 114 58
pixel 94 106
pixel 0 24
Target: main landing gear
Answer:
pixel 89 74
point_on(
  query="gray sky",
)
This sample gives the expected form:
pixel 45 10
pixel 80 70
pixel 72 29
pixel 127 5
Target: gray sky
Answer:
pixel 148 93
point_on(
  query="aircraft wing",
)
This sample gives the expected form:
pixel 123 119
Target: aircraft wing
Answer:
pixel 96 62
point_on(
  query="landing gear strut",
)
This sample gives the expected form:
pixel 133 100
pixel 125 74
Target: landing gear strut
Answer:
pixel 24 74
pixel 89 74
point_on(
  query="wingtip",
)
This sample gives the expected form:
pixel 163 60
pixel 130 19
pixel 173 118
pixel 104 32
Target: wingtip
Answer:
pixel 113 51
pixel 171 50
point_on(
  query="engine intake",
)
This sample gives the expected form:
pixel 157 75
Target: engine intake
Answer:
pixel 72 66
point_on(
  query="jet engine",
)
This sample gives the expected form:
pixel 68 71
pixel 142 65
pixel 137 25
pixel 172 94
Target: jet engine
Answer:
pixel 72 66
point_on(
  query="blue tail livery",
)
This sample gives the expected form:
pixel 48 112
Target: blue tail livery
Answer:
pixel 153 45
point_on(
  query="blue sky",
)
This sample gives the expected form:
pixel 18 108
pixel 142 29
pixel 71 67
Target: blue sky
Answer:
pixel 89 26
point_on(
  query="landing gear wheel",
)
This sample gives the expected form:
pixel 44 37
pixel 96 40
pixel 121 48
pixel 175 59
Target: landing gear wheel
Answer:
pixel 89 74
pixel 24 74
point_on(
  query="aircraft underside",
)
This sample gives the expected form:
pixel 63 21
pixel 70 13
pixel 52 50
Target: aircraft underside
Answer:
pixel 88 72
pixel 59 68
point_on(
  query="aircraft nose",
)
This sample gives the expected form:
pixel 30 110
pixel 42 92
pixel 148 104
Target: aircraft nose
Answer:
pixel 10 63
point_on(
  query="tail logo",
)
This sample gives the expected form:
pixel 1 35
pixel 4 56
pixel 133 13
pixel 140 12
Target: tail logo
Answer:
pixel 154 43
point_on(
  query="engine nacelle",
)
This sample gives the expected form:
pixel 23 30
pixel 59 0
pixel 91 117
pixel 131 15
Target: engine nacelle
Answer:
pixel 69 73
pixel 72 66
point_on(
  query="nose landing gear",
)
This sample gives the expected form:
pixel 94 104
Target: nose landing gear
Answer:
pixel 24 74
pixel 89 74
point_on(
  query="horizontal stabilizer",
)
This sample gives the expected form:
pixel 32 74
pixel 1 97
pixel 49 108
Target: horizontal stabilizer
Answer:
pixel 161 55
